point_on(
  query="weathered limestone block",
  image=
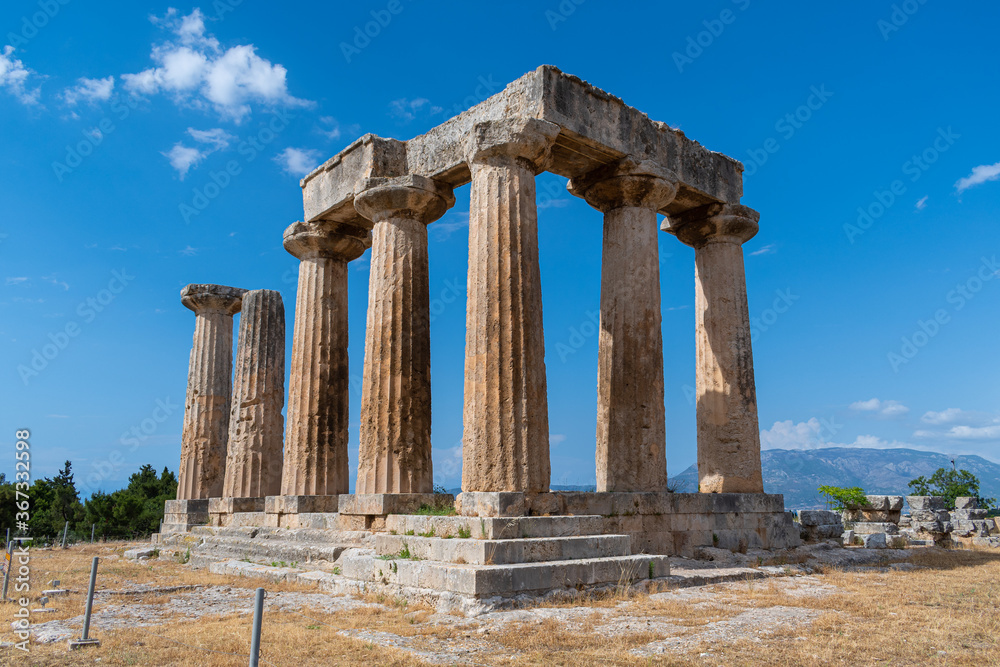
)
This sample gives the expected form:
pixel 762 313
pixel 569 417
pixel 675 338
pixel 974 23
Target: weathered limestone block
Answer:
pixel 923 516
pixel 926 503
pixel 631 429
pixel 315 458
pixel 209 390
pixel 869 527
pixel 253 466
pixel 728 433
pixel 881 516
pixel 885 503
pixel 506 436
pixel 395 450
pixel 969 514
pixel 874 540
pixel 966 503
pixel 819 518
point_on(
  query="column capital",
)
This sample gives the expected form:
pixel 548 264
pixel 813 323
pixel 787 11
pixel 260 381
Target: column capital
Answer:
pixel 714 223
pixel 416 197
pixel 307 240
pixel 627 182
pixel 204 298
pixel 529 139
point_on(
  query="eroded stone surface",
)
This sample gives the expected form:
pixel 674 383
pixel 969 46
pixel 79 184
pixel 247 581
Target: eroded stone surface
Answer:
pixel 253 464
pixel 506 435
pixel 395 449
pixel 209 390
pixel 631 427
pixel 319 386
pixel 728 434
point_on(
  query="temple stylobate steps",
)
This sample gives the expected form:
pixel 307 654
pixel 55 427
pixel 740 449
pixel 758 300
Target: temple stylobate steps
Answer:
pixel 503 552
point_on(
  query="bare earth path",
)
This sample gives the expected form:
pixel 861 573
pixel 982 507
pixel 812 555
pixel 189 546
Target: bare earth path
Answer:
pixel 939 607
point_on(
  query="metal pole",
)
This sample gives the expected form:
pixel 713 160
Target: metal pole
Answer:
pixel 258 613
pixel 92 526
pixel 10 565
pixel 90 601
pixel 65 530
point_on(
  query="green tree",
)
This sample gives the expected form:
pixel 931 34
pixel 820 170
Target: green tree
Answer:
pixel 135 510
pixel 841 499
pixel 54 501
pixel 8 508
pixel 950 484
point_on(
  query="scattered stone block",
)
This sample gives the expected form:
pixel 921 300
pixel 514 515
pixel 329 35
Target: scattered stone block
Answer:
pixel 847 538
pixel 926 502
pixel 966 503
pixel 874 541
pixel 874 527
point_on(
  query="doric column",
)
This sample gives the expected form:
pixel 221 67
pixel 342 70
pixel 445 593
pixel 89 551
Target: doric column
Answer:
pixel 253 466
pixel 315 461
pixel 506 424
pixel 728 434
pixel 631 431
pixel 206 409
pixel 395 450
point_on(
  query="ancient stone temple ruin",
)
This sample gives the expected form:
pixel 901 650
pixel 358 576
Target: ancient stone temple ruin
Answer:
pixel 508 533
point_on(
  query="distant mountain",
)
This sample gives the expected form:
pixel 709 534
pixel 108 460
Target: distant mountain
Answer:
pixel 798 473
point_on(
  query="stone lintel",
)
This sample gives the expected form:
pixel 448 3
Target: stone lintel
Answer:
pixel 201 297
pixel 234 505
pixel 300 504
pixel 596 128
pixel 382 504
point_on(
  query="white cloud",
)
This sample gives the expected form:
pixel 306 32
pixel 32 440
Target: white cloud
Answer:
pixel 14 75
pixel 182 158
pixel 811 435
pixel 943 417
pixel 298 161
pixel 17 280
pixel 979 175
pixel 217 137
pixel 450 223
pixel 448 463
pixel 406 110
pixel 556 438
pixel 884 408
pixel 975 432
pixel 922 202
pixel 769 249
pixel 195 69
pixel 189 251
pixel 53 279
pixel 89 90
pixel 332 129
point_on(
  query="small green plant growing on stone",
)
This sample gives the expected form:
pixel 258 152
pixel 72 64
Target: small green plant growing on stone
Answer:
pixel 404 552
pixel 281 563
pixel 652 570
pixel 482 528
pixel 715 540
pixel 437 510
pixel 274 563
pixel 429 533
pixel 392 532
pixel 410 532
pixel 337 570
pixel 155 553
pixel 841 499
pixel 464 533
pixel 185 557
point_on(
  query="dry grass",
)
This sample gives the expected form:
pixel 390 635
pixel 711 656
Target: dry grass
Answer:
pixel 871 618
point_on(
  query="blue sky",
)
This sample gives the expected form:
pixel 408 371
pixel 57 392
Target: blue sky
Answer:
pixel 868 132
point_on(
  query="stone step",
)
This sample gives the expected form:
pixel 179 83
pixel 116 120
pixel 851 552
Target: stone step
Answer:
pixel 272 551
pixel 496 528
pixel 502 552
pixel 306 535
pixel 483 581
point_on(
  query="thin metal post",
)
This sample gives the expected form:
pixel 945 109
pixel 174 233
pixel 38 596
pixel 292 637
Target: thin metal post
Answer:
pixel 10 566
pixel 65 530
pixel 258 613
pixel 90 600
pixel 92 526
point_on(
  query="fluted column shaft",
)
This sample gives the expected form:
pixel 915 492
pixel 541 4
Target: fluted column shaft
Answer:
pixel 506 426
pixel 209 389
pixel 395 450
pixel 631 425
pixel 253 464
pixel 728 431
pixel 315 461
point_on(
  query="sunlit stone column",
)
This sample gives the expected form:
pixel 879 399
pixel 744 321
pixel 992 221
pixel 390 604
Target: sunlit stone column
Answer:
pixel 631 431
pixel 506 424
pixel 253 466
pixel 206 409
pixel 315 462
pixel 728 434
pixel 395 450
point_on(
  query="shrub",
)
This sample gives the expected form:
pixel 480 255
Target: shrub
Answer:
pixel 841 499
